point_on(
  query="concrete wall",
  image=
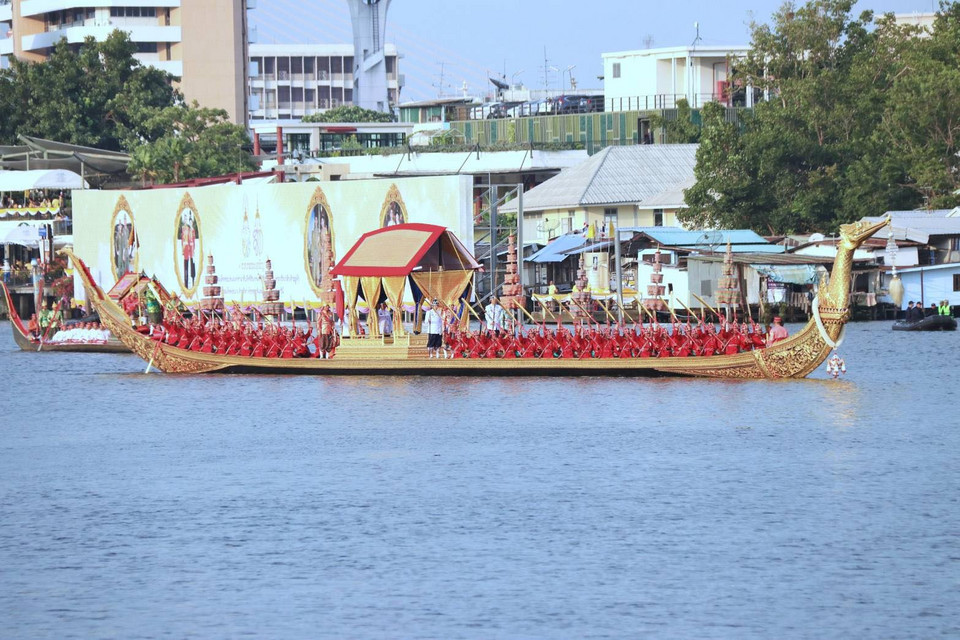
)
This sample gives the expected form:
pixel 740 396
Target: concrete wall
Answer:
pixel 215 59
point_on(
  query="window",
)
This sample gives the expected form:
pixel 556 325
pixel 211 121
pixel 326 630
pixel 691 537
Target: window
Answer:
pixel 706 288
pixel 133 12
pixel 658 217
pixel 956 282
pixel 609 216
pixel 146 47
pixel 616 69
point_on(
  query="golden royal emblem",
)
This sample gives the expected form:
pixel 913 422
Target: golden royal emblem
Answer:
pixel 393 211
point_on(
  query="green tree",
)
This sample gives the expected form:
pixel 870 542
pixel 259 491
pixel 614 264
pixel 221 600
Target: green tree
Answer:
pixel 198 143
pixel 680 128
pixel 94 95
pixel 349 114
pixel 863 118
pixel 920 127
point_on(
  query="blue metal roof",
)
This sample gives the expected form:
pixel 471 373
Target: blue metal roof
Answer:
pixel 556 250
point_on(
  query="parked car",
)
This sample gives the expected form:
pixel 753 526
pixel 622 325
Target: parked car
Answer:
pixel 501 109
pixel 523 109
pixel 546 107
pixel 569 104
pixel 591 103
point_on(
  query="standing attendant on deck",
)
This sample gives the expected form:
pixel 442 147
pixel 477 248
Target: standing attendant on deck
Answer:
pixel 777 332
pixel 493 315
pixel 433 325
pixel 326 344
pixel 385 319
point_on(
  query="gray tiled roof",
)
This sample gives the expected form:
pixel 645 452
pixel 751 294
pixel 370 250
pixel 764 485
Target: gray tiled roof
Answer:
pixel 616 175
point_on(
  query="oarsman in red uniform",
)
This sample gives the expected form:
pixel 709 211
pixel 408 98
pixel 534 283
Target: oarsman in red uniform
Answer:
pixel 246 342
pixel 711 344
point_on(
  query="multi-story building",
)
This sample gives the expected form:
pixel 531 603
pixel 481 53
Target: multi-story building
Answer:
pixel 650 79
pixel 289 81
pixel 173 35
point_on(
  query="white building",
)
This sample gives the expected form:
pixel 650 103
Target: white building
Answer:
pixel 657 78
pixel 289 81
pixel 918 19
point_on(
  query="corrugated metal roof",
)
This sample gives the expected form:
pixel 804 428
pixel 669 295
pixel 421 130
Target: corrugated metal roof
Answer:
pixel 616 175
pixel 921 213
pixel 766 259
pixel 931 225
pixel 701 239
pixel 671 198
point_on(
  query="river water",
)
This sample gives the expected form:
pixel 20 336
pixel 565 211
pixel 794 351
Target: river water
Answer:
pixel 152 506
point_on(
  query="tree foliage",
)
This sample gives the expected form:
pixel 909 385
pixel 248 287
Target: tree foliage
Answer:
pixel 196 143
pixel 99 95
pixel 349 114
pixel 863 117
pixel 681 128
pixel 95 95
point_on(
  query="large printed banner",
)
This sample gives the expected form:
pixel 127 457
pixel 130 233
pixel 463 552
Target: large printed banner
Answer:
pixel 174 234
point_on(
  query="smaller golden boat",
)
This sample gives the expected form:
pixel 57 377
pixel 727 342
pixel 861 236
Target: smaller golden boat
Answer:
pixel 27 342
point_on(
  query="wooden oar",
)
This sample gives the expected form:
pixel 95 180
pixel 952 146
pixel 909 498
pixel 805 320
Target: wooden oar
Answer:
pixel 152 356
pixel 689 310
pixel 648 313
pixel 548 309
pixel 704 303
pixel 607 311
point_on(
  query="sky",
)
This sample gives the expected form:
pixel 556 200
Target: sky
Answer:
pixel 466 41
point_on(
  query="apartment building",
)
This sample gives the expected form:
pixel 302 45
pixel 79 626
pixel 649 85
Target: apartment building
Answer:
pixel 203 43
pixel 289 81
pixel 650 79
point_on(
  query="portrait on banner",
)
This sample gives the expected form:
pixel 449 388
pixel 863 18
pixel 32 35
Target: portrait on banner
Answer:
pixel 188 250
pixel 124 244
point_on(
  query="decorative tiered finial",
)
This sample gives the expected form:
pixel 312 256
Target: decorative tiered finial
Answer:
pixel 212 299
pixel 728 293
pixel 328 294
pixel 512 296
pixel 271 294
pixel 655 289
pixel 582 298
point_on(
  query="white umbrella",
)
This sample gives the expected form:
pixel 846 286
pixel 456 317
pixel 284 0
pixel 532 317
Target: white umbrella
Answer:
pixel 24 234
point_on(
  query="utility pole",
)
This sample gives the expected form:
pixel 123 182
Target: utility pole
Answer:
pixel 494 194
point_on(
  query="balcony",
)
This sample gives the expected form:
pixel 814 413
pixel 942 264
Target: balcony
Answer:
pixel 76 35
pixel 40 7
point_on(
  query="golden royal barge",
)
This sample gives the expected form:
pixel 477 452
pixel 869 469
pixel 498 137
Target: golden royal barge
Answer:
pixel 439 267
